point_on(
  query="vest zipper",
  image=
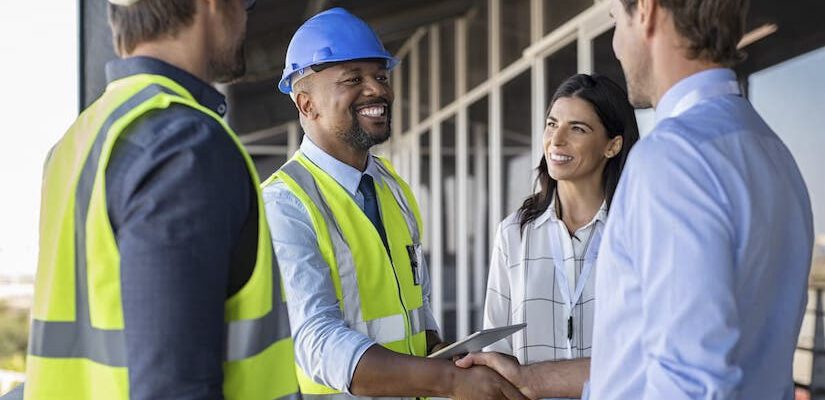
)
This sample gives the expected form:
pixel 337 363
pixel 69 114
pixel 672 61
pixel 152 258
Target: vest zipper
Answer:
pixel 407 322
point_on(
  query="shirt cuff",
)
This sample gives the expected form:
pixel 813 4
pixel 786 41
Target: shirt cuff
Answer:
pixel 356 357
pixel 430 323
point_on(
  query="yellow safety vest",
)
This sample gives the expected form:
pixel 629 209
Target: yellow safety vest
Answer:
pixel 76 346
pixel 379 294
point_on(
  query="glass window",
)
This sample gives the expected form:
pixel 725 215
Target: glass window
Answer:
pixel 517 142
pixel 558 67
pixel 446 61
pixel 478 214
pixel 515 29
pixel 424 77
pixel 449 225
pixel 478 49
pixel 557 12
pixel 406 68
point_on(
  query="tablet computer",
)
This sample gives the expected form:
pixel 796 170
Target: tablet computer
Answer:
pixel 477 341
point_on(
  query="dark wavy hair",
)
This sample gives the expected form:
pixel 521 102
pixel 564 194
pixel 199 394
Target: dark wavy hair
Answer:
pixel 610 102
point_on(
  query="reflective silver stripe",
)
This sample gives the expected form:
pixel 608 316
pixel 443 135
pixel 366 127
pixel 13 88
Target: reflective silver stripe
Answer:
pixel 383 330
pixel 248 337
pixel 417 319
pixel 343 255
pixel 79 339
pixel 391 328
pixel 401 199
pixel 294 396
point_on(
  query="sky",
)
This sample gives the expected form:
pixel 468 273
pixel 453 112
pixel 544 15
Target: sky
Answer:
pixel 38 66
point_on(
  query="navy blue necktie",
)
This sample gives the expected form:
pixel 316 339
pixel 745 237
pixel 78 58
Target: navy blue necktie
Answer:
pixel 367 189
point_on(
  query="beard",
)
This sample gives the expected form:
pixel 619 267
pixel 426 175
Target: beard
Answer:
pixel 357 137
pixel 638 84
pixel 229 64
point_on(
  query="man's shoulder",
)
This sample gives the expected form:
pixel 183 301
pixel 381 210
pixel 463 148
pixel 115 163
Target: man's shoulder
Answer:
pixel 179 124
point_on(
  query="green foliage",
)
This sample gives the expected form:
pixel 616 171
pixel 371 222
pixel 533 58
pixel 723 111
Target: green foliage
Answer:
pixel 14 336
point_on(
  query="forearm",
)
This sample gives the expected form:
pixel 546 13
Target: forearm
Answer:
pixel 382 372
pixel 555 378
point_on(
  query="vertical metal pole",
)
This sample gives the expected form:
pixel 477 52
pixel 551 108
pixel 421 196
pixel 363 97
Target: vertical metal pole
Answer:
pixel 480 249
pixel 397 117
pixel 584 52
pixel 538 108
pixel 539 85
pixel 818 369
pixel 415 104
pixel 463 307
pixel 436 185
pixel 496 126
pixel 536 20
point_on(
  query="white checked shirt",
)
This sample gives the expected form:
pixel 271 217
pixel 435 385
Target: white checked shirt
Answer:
pixel 524 286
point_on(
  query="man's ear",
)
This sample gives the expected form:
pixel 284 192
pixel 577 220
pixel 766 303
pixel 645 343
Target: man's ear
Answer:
pixel 305 106
pixel 647 12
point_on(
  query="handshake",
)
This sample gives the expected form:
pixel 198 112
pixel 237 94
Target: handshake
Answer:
pixel 493 375
pixel 490 376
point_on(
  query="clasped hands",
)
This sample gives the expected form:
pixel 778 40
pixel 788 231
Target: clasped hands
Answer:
pixel 505 366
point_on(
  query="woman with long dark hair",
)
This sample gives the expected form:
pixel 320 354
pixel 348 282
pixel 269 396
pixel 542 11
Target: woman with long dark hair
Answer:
pixel 542 269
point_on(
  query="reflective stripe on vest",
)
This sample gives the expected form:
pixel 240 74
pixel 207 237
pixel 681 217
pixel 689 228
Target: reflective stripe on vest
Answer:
pixel 78 339
pixel 382 330
pixel 258 343
pixel 402 331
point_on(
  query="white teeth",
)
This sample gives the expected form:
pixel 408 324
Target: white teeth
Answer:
pixel 372 111
pixel 559 157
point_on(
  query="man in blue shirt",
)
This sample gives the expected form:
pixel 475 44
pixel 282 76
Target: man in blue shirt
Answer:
pixel 704 264
pixel 337 74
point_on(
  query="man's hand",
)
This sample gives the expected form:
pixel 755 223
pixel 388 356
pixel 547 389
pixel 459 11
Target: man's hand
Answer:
pixel 505 365
pixel 480 382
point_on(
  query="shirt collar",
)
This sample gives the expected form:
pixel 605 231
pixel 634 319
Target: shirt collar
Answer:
pixel 686 86
pixel 550 214
pixel 346 176
pixel 203 92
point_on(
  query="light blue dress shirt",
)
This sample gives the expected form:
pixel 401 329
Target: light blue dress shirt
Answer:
pixel 704 264
pixel 325 347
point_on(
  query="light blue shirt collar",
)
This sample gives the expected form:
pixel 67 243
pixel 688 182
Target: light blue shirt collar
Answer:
pixel 696 82
pixel 347 176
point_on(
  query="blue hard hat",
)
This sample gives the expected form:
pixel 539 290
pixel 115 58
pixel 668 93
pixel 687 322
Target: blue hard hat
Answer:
pixel 331 36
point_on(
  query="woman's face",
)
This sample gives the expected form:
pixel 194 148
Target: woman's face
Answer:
pixel 576 144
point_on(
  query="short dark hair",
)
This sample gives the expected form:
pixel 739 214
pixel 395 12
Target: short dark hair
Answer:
pixel 148 20
pixel 713 27
pixel 610 102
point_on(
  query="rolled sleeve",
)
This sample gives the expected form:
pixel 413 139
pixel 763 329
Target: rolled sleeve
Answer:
pixel 326 349
pixel 690 318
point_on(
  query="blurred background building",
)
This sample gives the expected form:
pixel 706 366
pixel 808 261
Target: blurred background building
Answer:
pixel 471 93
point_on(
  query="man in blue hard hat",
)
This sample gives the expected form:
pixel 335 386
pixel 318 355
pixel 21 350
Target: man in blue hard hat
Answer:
pixel 347 232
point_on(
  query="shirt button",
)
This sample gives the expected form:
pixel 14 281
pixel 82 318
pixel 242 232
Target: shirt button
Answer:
pixel 221 108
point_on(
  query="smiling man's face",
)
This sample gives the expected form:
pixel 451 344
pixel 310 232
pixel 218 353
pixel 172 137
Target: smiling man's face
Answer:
pixel 353 101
